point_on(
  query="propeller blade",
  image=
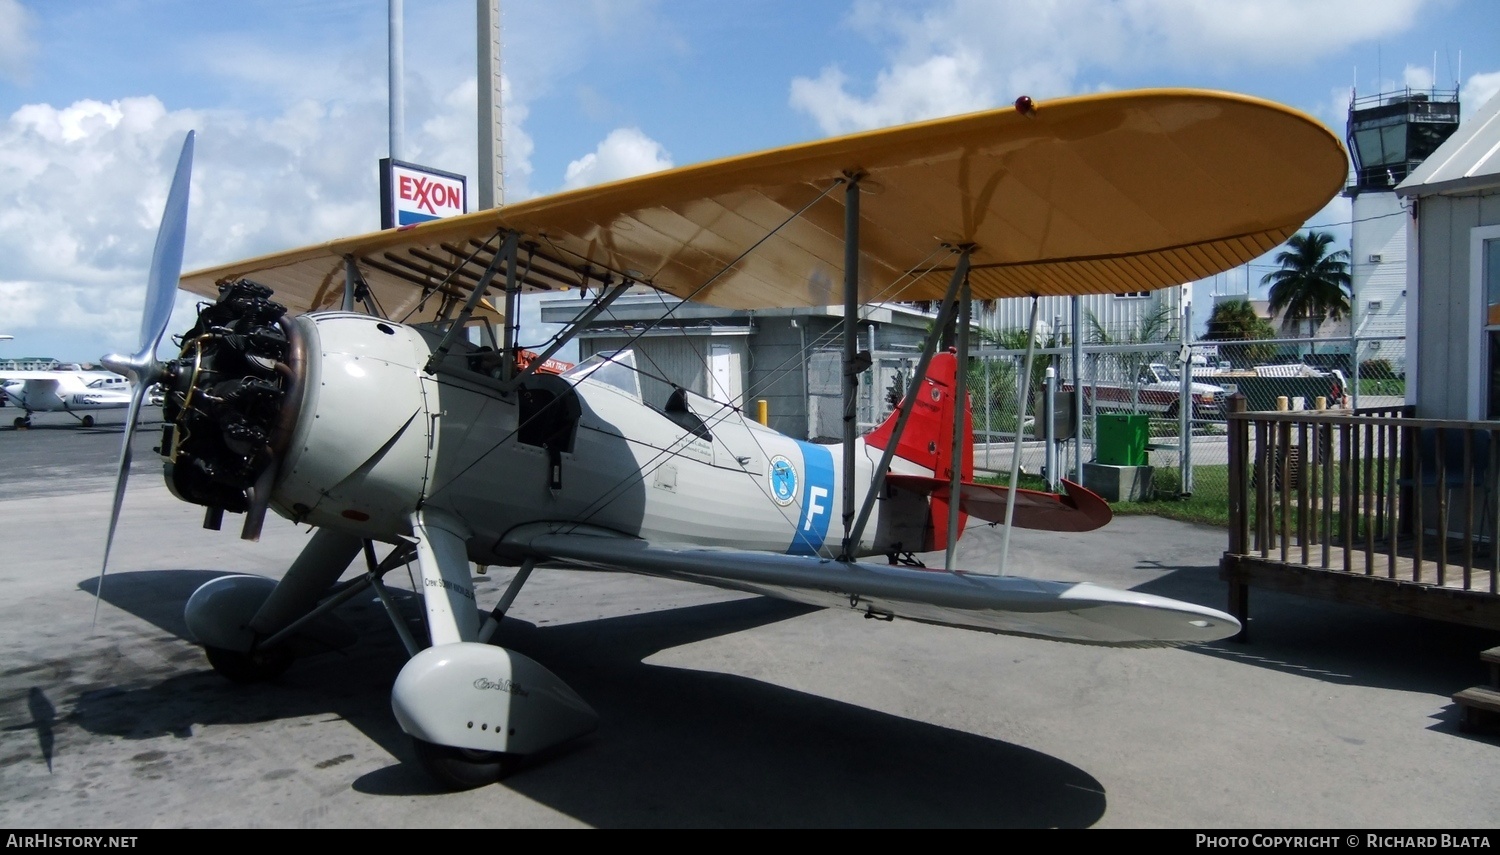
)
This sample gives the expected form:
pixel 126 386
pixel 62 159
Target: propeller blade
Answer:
pixel 166 259
pixel 122 474
pixel 142 367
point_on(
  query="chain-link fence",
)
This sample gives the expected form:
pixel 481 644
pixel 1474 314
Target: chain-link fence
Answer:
pixel 1172 398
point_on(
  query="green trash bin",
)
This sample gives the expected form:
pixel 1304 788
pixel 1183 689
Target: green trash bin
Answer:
pixel 1120 440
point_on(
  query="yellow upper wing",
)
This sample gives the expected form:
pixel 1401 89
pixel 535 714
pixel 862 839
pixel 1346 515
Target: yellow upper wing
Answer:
pixel 1103 193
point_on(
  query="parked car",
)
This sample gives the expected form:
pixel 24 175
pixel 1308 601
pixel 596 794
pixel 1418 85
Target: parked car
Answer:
pixel 1157 390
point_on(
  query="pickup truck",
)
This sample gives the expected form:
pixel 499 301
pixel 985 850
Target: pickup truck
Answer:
pixel 1157 391
pixel 1263 385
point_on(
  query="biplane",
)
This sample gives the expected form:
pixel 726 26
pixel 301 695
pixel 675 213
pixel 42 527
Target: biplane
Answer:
pixel 371 388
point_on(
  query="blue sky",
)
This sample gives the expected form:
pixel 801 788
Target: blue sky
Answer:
pixel 289 101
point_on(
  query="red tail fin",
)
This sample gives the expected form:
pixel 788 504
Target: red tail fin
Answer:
pixel 928 438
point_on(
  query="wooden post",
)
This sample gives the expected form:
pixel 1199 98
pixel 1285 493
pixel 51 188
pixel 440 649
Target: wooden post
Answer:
pixel 1239 524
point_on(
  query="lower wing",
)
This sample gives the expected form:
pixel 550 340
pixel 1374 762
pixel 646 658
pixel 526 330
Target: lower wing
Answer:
pixel 1081 612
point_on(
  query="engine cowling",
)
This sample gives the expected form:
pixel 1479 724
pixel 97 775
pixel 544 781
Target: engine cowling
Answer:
pixel 323 418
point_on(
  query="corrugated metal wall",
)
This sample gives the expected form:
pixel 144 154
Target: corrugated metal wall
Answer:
pixel 1447 357
pixel 666 359
pixel 1120 316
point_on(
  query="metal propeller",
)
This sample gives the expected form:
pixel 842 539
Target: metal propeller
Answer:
pixel 142 367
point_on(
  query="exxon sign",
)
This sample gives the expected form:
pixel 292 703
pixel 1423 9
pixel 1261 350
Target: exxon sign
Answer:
pixel 411 194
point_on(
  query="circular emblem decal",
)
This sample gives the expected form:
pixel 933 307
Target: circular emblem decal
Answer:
pixel 783 477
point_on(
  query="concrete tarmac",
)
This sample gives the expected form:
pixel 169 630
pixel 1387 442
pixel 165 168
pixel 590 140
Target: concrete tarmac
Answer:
pixel 718 709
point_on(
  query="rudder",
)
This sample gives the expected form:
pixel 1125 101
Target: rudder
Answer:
pixel 928 438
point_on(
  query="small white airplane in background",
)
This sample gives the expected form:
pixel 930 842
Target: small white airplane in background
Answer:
pixel 355 403
pixel 77 393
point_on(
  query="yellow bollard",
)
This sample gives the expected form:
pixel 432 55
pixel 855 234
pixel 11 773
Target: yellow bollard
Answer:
pixel 761 412
pixel 1281 402
pixel 1322 402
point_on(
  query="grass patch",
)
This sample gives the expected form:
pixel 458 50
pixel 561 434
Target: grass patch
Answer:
pixel 1381 387
pixel 1208 505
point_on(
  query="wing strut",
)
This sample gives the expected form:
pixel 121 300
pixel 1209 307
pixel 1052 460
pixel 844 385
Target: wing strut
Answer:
pixel 908 402
pixel 512 317
pixel 961 397
pixel 851 360
pixel 582 321
pixel 1015 455
pixel 506 254
pixel 356 290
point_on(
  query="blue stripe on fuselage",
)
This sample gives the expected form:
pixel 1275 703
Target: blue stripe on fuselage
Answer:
pixel 817 500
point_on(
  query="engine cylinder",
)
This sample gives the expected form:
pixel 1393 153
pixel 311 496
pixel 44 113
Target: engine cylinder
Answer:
pixel 226 398
pixel 323 418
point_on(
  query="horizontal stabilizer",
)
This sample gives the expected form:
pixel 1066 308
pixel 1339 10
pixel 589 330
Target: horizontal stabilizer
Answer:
pixel 1080 509
pixel 1079 612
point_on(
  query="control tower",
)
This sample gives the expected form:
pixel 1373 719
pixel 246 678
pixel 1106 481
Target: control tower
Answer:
pixel 1390 134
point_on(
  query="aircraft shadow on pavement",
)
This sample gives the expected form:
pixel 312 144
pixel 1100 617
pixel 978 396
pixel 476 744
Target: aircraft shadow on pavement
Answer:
pixel 1338 642
pixel 675 748
pixel 155 596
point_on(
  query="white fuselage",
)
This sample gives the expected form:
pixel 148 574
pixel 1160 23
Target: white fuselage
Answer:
pixel 387 438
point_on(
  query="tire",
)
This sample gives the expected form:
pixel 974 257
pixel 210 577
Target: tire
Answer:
pixel 22 422
pixel 462 768
pixel 259 666
pixel 1173 410
pixel 88 421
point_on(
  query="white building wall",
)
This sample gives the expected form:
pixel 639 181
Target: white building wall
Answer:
pixel 1378 272
pixel 1121 316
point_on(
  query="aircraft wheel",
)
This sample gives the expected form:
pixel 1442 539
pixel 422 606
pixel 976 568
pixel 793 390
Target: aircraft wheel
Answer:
pixel 462 768
pixel 22 422
pixel 259 666
pixel 88 421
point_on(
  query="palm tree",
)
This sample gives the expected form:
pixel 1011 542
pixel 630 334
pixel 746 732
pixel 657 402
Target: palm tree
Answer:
pixel 1312 283
pixel 1236 320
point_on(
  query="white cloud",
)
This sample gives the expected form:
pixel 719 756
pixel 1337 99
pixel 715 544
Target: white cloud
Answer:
pixel 938 86
pixel 288 157
pixel 518 147
pixel 21 303
pixel 16 48
pixel 961 54
pixel 82 189
pixel 624 153
pixel 1416 77
pixel 1479 89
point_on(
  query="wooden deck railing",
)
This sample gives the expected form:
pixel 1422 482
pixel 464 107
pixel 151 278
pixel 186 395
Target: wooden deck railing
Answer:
pixel 1371 492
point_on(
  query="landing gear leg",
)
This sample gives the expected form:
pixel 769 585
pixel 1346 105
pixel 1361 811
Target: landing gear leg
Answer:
pixel 474 710
pixel 247 624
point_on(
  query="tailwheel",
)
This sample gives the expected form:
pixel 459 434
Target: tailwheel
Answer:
pixel 257 666
pixel 462 768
